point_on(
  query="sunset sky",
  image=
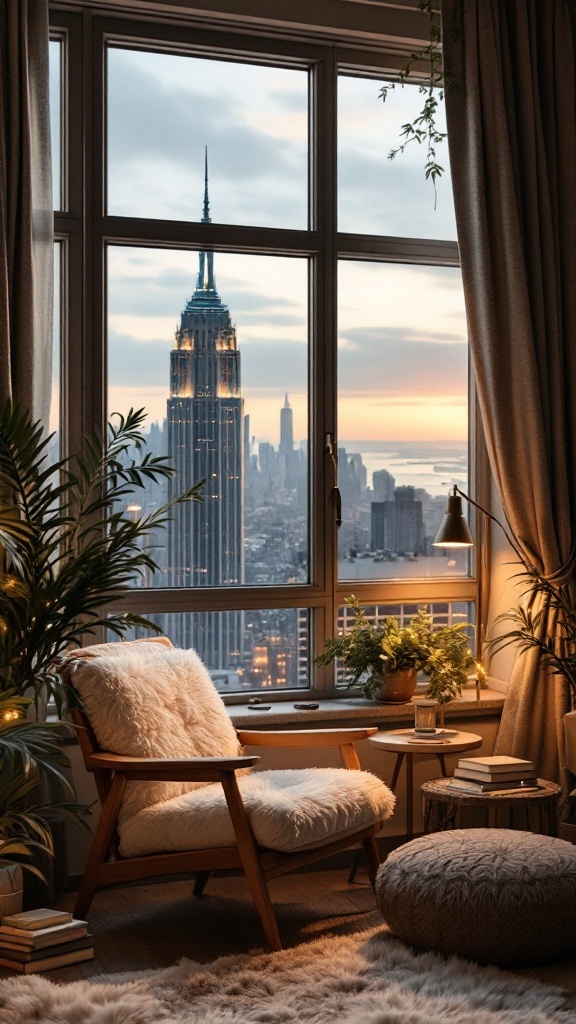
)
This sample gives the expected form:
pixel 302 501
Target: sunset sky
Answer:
pixel 402 333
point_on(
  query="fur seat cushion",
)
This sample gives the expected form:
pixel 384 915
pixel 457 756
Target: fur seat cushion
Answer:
pixel 288 810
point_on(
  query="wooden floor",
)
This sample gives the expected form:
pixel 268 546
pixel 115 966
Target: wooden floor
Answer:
pixel 156 924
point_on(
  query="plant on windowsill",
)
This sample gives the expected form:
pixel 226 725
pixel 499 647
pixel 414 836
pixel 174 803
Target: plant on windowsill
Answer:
pixel 69 546
pixel 385 659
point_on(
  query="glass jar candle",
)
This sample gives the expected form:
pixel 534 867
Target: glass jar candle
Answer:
pixel 425 712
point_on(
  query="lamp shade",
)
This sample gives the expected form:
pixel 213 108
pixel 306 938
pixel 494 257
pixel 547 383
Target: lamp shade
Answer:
pixel 454 531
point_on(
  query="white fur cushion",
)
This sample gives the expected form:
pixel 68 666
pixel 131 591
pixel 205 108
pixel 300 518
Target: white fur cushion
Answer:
pixel 149 699
pixel 288 810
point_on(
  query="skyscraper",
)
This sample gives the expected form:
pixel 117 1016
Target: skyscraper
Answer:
pixel 398 525
pixel 205 442
pixel 286 429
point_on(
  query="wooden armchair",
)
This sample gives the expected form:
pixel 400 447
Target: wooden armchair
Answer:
pixel 107 865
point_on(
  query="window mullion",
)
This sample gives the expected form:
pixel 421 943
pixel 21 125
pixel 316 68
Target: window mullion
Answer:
pixel 323 390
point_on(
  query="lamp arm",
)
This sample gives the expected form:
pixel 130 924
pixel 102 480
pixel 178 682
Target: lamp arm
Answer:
pixel 489 515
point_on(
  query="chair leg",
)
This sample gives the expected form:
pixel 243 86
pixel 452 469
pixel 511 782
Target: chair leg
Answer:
pixel 250 860
pixel 355 865
pixel 200 882
pixel 100 844
pixel 372 856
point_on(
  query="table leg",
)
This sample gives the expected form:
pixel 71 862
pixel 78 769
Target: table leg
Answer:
pixel 553 818
pixel 442 765
pixel 396 772
pixel 409 797
pixel 427 814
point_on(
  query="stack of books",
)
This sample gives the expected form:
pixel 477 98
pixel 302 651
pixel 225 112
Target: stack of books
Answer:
pixel 498 775
pixel 38 940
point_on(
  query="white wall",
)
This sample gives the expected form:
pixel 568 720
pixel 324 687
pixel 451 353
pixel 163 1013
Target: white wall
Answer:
pixel 504 591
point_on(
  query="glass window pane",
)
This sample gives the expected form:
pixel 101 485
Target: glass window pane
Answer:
pixel 244 651
pixel 54 418
pixel 402 417
pixel 215 348
pixel 381 196
pixel 164 110
pixel 54 88
pixel 444 613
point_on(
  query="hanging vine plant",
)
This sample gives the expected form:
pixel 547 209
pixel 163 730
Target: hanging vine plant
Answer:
pixel 424 129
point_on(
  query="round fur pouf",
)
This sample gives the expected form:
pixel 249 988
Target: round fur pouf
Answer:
pixel 491 895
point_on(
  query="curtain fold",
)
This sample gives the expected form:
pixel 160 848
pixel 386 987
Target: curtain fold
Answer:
pixel 512 139
pixel 26 208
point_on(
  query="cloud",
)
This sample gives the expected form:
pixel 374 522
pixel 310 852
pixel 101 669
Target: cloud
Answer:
pixel 134 363
pixel 401 362
pixel 165 292
pixel 158 127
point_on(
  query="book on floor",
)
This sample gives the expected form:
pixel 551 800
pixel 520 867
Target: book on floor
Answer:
pixel 497 763
pixel 468 786
pixel 35 919
pixel 29 955
pixel 474 776
pixel 47 963
pixel 26 938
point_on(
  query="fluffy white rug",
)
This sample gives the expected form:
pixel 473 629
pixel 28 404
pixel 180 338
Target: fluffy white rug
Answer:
pixel 367 978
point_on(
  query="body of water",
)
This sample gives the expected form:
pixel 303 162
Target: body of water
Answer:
pixel 434 465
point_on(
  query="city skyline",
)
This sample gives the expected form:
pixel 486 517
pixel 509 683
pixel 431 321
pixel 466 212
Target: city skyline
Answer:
pixel 396 382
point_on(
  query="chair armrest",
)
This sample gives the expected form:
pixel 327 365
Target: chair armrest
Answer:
pixel 303 737
pixel 169 769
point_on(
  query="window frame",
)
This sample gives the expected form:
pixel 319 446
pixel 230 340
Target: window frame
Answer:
pixel 85 230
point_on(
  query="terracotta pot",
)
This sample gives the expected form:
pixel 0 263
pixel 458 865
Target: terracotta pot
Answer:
pixel 397 687
pixel 10 890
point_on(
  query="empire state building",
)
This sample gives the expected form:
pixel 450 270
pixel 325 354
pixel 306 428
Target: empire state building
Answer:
pixel 205 442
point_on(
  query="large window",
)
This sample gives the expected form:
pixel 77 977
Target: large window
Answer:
pixel 242 260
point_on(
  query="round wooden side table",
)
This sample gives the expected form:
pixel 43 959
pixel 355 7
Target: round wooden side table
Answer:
pixel 532 811
pixel 407 746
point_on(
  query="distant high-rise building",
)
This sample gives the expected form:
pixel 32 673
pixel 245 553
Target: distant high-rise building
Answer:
pixel 289 459
pixel 409 521
pixel 381 534
pixel 383 484
pixel 398 525
pixel 205 442
pixel 286 429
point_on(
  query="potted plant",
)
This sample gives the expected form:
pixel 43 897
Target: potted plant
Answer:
pixel 558 652
pixel 68 544
pixel 385 658
pixel 30 752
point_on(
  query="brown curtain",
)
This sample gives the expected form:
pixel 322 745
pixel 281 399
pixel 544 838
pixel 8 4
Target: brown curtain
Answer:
pixel 26 217
pixel 512 138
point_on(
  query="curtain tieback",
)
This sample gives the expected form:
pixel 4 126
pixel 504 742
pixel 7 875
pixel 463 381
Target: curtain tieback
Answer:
pixel 565 574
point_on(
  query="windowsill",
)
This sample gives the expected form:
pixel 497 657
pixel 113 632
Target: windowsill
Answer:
pixel 358 710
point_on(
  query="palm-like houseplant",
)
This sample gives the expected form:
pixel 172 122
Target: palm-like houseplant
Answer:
pixel 68 545
pixel 369 652
pixel 528 631
pixel 528 624
pixel 68 548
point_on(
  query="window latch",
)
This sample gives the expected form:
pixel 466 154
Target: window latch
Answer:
pixel 335 497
